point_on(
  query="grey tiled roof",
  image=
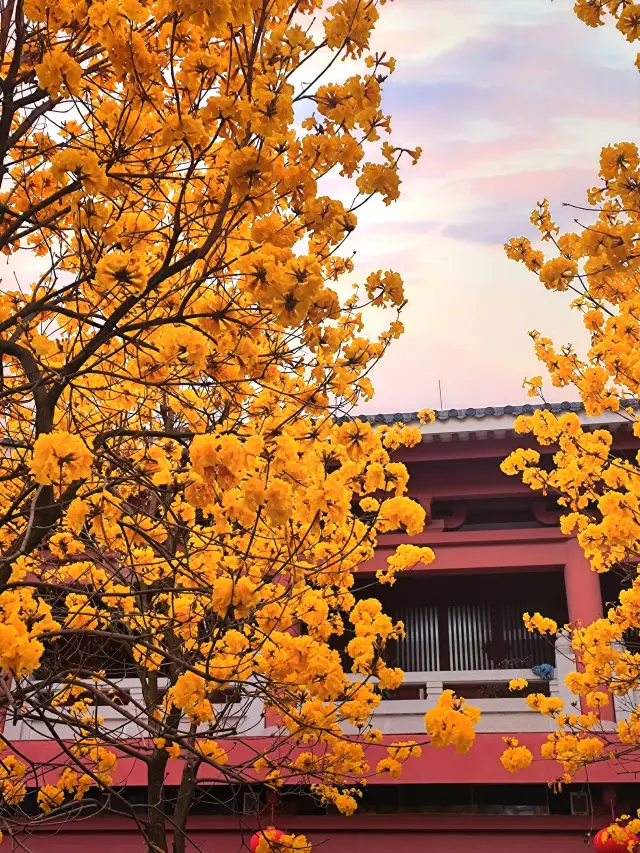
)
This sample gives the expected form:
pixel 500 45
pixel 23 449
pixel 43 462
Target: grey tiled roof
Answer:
pixel 487 411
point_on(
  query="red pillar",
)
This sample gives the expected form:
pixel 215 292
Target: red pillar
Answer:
pixel 584 599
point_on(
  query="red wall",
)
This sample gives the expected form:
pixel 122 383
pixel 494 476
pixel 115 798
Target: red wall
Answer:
pixel 401 834
pixel 409 842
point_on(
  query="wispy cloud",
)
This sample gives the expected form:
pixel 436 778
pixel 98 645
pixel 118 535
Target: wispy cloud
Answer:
pixel 511 102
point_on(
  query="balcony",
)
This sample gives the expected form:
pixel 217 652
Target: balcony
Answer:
pixel 464 633
pixel 486 689
pixel 402 713
pixel 125 718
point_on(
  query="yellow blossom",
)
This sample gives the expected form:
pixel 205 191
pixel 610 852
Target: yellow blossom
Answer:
pixel 515 757
pixel 59 457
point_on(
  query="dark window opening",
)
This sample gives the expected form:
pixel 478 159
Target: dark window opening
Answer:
pixel 254 802
pixel 468 622
pixel 520 799
pixel 84 655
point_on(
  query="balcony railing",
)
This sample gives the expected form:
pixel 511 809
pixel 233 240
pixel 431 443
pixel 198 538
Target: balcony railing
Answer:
pixel 500 712
pixel 127 718
pixel 400 713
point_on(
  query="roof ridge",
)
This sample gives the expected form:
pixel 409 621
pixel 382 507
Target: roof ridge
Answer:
pixel 486 411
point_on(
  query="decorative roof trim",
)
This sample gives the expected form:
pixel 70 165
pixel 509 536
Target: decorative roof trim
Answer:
pixel 486 412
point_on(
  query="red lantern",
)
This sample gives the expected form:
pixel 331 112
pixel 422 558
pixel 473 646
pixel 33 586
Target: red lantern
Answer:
pixel 275 835
pixel 612 845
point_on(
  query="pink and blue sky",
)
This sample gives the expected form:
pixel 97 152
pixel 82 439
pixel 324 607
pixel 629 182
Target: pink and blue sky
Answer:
pixel 511 101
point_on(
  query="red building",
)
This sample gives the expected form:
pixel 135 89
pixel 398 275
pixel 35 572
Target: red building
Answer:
pixel 499 552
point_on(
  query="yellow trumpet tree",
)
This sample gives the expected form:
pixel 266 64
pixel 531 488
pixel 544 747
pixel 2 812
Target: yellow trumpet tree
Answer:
pixel 181 507
pixel 599 487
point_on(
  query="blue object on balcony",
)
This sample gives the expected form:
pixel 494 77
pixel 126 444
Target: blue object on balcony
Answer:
pixel 544 670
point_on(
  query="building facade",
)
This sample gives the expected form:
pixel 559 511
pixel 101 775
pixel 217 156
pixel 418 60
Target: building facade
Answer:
pixel 499 552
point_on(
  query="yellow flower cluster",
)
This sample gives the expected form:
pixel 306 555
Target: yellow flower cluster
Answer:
pixel 213 752
pixel 572 751
pixel 451 722
pixel 626 15
pixel 272 841
pixel 100 764
pixel 426 416
pixel 539 623
pixel 13 787
pixel 397 754
pixel 405 557
pixel 60 458
pixel 550 706
pixel 624 836
pixel 24 618
pixel 515 757
pixel 59 73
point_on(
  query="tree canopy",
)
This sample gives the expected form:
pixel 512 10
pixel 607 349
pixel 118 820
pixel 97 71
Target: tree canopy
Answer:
pixel 597 484
pixel 184 496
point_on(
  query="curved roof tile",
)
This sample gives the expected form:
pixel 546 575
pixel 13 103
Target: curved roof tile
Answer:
pixel 487 411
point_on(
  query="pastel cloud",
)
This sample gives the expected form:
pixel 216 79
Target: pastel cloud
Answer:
pixel 511 102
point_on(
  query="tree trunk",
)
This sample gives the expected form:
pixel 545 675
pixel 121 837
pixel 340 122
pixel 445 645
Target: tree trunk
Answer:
pixel 183 804
pixel 156 831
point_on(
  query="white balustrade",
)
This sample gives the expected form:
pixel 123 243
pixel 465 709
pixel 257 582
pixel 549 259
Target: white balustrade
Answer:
pixel 129 720
pixel 508 714
pixel 565 663
pixel 500 714
pixel 624 705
